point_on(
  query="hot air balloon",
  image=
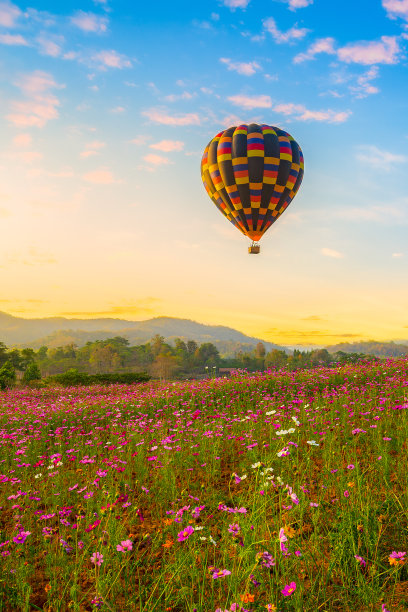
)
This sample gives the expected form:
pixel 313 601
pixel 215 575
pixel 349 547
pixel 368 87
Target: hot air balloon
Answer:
pixel 252 173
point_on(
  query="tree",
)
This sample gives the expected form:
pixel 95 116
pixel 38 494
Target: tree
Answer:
pixel 207 354
pixel 7 375
pixel 31 373
pixel 276 359
pixel 260 351
pixel 164 366
pixel 3 353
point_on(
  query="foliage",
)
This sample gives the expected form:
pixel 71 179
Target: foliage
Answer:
pixel 74 378
pixel 7 375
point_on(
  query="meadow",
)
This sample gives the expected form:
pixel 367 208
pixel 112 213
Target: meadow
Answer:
pixel 279 490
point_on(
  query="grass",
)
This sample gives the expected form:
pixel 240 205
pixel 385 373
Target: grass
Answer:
pixel 277 490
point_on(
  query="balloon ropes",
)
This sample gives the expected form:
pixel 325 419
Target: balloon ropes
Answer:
pixel 252 173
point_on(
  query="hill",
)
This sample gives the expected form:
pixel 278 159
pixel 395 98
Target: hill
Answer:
pixel 59 331
pixel 372 347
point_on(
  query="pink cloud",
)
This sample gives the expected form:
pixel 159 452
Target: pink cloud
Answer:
pixel 22 140
pixel 295 4
pixel 112 59
pixel 100 177
pixel 283 37
pixel 40 104
pixel 158 116
pixel 332 253
pixel 396 8
pixel 364 86
pixel 49 47
pixel 168 145
pixel 156 160
pixel 385 51
pixel 233 4
pixel 245 68
pixel 250 102
pixel 322 45
pixel 301 113
pixel 13 39
pixel 89 22
pixel 9 14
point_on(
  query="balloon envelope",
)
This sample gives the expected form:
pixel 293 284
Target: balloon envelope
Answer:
pixel 252 173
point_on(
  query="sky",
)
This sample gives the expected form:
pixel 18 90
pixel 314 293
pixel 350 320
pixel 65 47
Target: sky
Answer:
pixel 106 108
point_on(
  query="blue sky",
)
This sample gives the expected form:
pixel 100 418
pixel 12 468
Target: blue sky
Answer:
pixel 106 109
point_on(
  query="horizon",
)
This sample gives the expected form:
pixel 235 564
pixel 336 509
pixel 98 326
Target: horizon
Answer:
pixel 107 110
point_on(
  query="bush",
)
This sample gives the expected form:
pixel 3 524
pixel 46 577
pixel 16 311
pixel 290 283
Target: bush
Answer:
pixel 32 373
pixel 7 376
pixel 73 378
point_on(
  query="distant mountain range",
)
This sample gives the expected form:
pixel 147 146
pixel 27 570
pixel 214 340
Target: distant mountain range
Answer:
pixel 59 331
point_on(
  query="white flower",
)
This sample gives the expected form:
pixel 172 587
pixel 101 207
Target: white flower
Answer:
pixel 294 419
pixel 291 430
pixel 312 443
pixel 38 476
pixel 270 412
pixel 199 528
pixel 212 541
pixel 256 465
pixel 202 538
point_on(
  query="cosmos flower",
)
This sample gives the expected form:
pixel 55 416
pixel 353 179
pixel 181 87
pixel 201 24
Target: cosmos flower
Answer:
pixel 185 534
pixel 124 546
pixel 289 589
pixel 97 558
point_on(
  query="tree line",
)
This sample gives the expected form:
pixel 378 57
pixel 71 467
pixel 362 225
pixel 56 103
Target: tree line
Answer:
pixel 158 358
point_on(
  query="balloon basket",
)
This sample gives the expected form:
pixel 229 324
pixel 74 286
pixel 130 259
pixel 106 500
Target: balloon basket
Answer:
pixel 254 249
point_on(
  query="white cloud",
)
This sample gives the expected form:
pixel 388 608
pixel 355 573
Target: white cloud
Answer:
pixel 13 39
pixel 293 33
pixel 249 102
pixel 233 4
pixel 117 110
pixel 396 8
pixel 301 113
pixel 140 140
pixel 92 148
pixel 295 4
pixel 322 45
pixel 385 51
pixel 40 105
pixel 103 176
pixel 89 22
pixel 332 253
pixel 168 145
pixel 183 96
pixel 9 14
pixel 111 59
pixel 245 68
pixel 378 158
pixel 156 160
pixel 364 86
pixel 159 116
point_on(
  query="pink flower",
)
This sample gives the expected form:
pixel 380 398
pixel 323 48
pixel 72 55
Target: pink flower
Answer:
pixel 220 573
pixel 22 536
pixel 124 546
pixel 360 560
pixel 346 493
pixel 289 589
pixel 186 533
pixel 97 559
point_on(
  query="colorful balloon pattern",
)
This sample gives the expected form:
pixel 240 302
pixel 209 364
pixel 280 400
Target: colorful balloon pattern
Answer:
pixel 252 173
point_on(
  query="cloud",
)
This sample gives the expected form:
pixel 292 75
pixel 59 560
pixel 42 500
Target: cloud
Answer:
pixel 26 157
pixel 233 4
pixel 249 102
pixel 103 176
pixel 364 86
pixel 92 148
pixel 301 113
pixel 312 318
pixel 322 45
pixel 156 160
pixel 144 305
pixel 111 59
pixel 396 8
pixel 40 105
pixel 168 145
pixel 89 22
pixel 295 4
pixel 398 255
pixel 379 213
pixel 332 253
pixel 50 47
pixel 379 158
pixel 9 14
pixel 140 140
pixel 245 68
pixel 22 140
pixel 385 51
pixel 293 33
pixel 159 116
pixel 186 95
pixel 13 39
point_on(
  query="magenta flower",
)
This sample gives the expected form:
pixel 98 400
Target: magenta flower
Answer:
pixel 97 559
pixel 220 573
pixel 124 546
pixel 360 560
pixel 22 536
pixel 350 467
pixel 186 533
pixel 234 529
pixel 346 493
pixel 289 589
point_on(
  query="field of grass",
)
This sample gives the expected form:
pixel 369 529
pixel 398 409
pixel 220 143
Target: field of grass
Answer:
pixel 273 491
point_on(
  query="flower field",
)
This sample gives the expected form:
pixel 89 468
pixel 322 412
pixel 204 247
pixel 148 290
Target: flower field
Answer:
pixel 273 491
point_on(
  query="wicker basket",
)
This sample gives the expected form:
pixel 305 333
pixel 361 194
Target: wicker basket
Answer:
pixel 254 249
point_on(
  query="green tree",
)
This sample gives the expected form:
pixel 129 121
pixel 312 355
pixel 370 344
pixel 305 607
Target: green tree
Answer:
pixel 31 373
pixel 7 375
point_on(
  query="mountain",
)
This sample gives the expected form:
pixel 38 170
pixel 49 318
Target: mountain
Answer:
pixel 58 331
pixel 372 347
